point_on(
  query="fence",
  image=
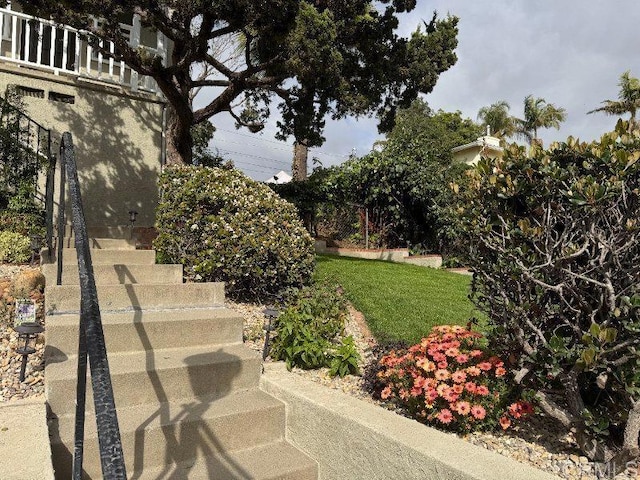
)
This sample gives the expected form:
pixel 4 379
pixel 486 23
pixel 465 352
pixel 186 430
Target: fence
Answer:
pixel 352 226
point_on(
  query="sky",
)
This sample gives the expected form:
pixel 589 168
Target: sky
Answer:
pixel 569 52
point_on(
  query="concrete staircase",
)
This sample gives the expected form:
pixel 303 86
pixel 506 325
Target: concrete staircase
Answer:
pixel 186 388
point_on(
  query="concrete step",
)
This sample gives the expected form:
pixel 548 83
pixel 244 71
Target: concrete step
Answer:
pixel 158 376
pixel 117 274
pixel 147 330
pixel 106 257
pixel 62 299
pixel 177 432
pixel 101 243
pixel 274 461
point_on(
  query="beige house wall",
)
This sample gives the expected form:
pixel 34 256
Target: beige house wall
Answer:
pixel 117 136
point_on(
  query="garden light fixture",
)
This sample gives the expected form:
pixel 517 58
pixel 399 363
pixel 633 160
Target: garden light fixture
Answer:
pixel 27 332
pixel 271 313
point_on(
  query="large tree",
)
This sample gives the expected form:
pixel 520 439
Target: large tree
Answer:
pixel 628 99
pixel 539 114
pixel 315 58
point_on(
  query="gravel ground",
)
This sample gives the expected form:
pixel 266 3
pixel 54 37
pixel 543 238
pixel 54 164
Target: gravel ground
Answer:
pixel 538 441
pixel 10 387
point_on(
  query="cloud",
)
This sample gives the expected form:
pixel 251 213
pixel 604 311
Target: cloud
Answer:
pixel 569 52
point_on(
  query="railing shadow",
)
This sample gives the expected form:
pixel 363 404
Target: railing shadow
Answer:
pixel 187 436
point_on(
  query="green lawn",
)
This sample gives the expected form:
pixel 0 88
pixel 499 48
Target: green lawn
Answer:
pixel 399 301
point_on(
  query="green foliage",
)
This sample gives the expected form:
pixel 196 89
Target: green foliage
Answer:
pixel 628 99
pixel 539 114
pixel 406 183
pixel 202 133
pixel 554 239
pixel 222 226
pixel 313 58
pixel 14 247
pixel 19 169
pixel 309 333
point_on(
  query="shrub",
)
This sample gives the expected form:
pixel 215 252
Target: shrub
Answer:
pixel 222 226
pixel 449 382
pixel 554 241
pixel 309 333
pixel 14 247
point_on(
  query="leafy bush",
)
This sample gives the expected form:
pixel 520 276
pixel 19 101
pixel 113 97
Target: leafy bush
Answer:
pixel 309 333
pixel 14 247
pixel 448 381
pixel 554 241
pixel 222 226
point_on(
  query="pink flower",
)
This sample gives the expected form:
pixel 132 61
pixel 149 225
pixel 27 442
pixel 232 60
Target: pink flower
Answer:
pixel 486 366
pixel 430 395
pixel 441 374
pixel 450 395
pixel 439 357
pixel 443 364
pixel 416 391
pixel 459 376
pixel 478 412
pixel 475 353
pixel 505 422
pixel 425 365
pixel 470 386
pixel 445 416
pixel 386 393
pixel 463 408
pixel 458 388
pixel 482 390
pixel 500 372
pixel 403 393
pixel 462 358
pixel 515 409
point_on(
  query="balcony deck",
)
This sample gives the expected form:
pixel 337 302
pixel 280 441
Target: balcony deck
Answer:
pixel 42 44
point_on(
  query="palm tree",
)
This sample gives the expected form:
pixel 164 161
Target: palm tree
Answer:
pixel 496 117
pixel 628 99
pixel 539 114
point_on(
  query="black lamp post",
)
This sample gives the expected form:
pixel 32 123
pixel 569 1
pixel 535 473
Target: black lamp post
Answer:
pixel 132 217
pixel 271 313
pixel 27 332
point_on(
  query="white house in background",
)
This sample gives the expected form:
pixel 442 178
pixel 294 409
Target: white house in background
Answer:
pixel 279 178
pixel 485 146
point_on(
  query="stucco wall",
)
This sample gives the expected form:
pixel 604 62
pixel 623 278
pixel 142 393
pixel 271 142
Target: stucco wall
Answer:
pixel 118 140
pixel 355 440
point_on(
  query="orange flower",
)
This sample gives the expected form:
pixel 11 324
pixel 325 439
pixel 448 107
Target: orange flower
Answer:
pixel 505 422
pixel 500 372
pixel 452 352
pixel 475 353
pixel 443 364
pixel 441 374
pixel 478 412
pixel 430 395
pixel 458 388
pixel 404 393
pixel 459 376
pixel 386 393
pixel 463 408
pixel 470 386
pixel 425 365
pixel 445 416
pixel 473 371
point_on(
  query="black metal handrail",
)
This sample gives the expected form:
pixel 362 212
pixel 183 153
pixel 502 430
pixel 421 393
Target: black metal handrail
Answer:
pixel 91 341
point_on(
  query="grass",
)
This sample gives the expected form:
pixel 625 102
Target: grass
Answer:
pixel 400 301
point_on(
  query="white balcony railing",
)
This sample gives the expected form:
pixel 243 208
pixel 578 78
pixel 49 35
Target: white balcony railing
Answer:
pixel 41 44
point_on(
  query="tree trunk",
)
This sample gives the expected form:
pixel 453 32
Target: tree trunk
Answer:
pixel 300 155
pixel 179 140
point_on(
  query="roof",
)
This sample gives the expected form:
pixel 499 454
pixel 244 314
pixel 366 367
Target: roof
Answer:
pixel 487 142
pixel 279 178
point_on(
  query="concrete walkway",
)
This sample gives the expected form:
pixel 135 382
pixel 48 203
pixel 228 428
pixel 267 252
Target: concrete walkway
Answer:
pixel 25 453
